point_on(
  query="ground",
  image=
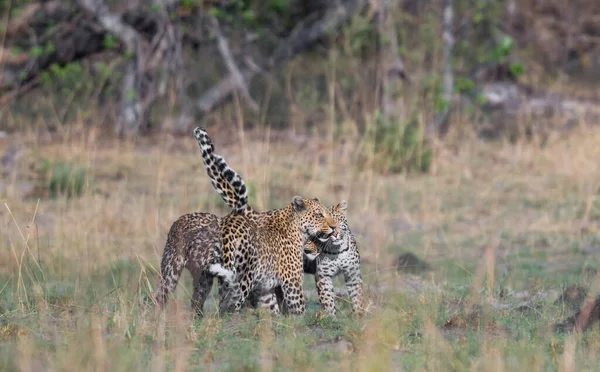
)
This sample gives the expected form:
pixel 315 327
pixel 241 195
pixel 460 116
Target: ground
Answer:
pixel 504 229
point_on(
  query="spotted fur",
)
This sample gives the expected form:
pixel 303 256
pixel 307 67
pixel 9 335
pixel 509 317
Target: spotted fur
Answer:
pixel 337 255
pixel 261 251
pixel 193 243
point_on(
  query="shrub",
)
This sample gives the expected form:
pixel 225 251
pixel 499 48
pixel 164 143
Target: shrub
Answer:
pixel 63 178
pixel 399 147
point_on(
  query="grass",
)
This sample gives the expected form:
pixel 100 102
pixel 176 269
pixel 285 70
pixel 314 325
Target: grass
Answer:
pixel 505 228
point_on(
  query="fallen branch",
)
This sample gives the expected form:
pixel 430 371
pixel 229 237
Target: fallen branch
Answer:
pixel 305 36
pixel 238 78
pixel 217 94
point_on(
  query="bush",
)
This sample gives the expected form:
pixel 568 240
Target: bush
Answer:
pixel 399 147
pixel 62 178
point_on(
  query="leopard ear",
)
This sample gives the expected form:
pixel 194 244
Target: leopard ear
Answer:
pixel 298 203
pixel 317 200
pixel 342 206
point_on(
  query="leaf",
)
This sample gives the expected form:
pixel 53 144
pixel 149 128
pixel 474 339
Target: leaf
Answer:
pixel 506 45
pixel 37 51
pixel 517 69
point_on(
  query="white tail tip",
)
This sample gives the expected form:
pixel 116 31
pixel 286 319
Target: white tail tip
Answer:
pixel 219 270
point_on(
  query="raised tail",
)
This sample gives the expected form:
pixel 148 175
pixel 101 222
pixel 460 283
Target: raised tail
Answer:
pixel 227 182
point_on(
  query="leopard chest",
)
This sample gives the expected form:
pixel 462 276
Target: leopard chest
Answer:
pixel 334 264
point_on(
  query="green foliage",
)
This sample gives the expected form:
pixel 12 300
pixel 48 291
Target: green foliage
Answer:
pixel 258 16
pixel 68 75
pixel 110 41
pixel 191 3
pixel 37 51
pixel 399 147
pixel 361 34
pixel 62 178
pixel 279 5
pixel 131 95
pixel 42 50
pixel 486 43
pixel 155 7
pixel 75 86
pixel 517 69
pixel 463 85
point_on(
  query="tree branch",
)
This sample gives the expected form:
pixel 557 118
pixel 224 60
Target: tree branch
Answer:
pixel 238 78
pixel 306 35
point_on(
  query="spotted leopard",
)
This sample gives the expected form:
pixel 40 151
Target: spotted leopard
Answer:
pixel 262 251
pixel 193 243
pixel 338 255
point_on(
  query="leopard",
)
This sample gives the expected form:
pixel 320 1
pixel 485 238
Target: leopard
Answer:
pixel 193 243
pixel 337 255
pixel 262 251
pixel 340 252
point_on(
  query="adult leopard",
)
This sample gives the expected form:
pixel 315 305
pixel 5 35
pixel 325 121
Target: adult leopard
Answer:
pixel 194 243
pixel 262 251
pixel 335 255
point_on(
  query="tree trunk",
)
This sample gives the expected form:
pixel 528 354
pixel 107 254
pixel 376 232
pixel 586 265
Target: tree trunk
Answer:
pixel 441 120
pixel 392 68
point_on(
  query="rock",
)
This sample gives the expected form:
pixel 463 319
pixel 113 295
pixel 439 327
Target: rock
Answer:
pixel 408 262
pixel 338 344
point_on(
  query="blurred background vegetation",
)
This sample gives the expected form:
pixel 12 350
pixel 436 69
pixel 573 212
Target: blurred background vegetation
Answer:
pixel 397 73
pixel 462 133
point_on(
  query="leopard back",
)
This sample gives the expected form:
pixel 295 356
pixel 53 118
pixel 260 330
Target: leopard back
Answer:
pixel 264 250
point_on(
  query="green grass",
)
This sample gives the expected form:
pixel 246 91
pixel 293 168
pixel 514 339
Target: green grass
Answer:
pixel 87 303
pixel 69 321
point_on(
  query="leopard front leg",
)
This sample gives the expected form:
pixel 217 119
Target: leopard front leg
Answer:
pixel 293 297
pixel 325 291
pixel 354 283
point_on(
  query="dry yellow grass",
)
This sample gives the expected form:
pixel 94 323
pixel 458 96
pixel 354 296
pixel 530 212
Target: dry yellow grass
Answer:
pixel 495 198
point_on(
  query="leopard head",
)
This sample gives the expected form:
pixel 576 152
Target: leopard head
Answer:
pixel 340 233
pixel 315 220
